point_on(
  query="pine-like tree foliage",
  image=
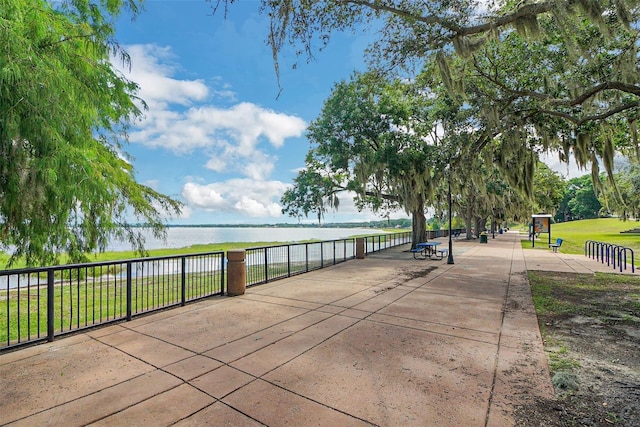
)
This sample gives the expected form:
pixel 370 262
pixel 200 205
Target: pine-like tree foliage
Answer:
pixel 65 183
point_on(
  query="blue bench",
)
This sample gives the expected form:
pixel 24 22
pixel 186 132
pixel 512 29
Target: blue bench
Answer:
pixel 417 251
pixel 440 253
pixel 556 245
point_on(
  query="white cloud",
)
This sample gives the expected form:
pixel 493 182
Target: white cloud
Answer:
pixel 244 124
pixel 260 167
pixel 185 212
pixel 237 196
pixel 232 138
pixel 151 68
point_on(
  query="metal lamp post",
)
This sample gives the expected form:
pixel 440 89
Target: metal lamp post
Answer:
pixel 450 257
pixel 493 223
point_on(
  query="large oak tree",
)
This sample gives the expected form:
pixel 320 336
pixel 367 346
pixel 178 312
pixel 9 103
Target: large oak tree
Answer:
pixel 370 138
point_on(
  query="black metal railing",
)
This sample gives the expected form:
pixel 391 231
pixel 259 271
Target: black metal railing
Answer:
pixel 40 303
pixel 385 241
pixel 268 263
pixel 614 255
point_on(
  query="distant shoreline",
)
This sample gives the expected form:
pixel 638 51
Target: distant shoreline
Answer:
pixel 394 223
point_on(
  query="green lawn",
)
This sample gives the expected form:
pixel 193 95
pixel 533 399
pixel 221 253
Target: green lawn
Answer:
pixel 94 300
pixel 576 233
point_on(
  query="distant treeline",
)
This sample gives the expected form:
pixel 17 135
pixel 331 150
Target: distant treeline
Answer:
pixel 392 223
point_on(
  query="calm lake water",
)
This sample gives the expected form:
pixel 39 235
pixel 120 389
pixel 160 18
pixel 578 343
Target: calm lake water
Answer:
pixel 180 237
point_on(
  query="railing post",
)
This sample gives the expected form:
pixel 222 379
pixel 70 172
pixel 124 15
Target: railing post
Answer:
pixel 334 252
pixel 183 282
pixel 236 272
pixel 306 256
pixel 50 302
pixel 288 260
pixel 344 252
pixel 222 274
pixel 129 310
pixel 266 265
pixel 360 247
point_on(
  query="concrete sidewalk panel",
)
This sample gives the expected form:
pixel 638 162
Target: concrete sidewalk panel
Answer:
pixel 222 381
pixel 219 415
pixel 90 408
pixel 149 349
pixel 470 313
pixel 274 406
pixel 355 313
pixel 437 328
pixel 318 292
pixel 472 287
pixel 277 300
pixel 161 410
pixel 388 375
pixel 192 367
pixel 239 348
pixel 273 356
pixel 371 292
pixel 107 330
pixel 382 297
pixel 211 327
pixel 61 375
pixel 331 309
pixel 37 351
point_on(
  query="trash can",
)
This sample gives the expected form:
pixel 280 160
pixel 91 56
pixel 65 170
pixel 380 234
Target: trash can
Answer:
pixel 483 238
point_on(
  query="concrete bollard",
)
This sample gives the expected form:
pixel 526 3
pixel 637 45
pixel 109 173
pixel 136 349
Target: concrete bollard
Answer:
pixel 360 247
pixel 236 272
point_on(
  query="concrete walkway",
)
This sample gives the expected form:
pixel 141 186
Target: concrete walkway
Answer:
pixel 385 341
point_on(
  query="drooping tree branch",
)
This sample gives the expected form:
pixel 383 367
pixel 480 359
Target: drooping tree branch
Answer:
pixel 595 117
pixel 524 11
pixel 549 99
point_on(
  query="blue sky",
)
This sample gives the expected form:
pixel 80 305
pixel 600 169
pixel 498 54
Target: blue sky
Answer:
pixel 216 134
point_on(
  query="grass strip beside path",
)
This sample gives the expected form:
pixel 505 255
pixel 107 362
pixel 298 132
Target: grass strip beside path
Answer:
pixel 575 233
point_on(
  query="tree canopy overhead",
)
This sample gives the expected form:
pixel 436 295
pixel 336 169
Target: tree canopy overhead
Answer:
pixel 565 71
pixel 65 182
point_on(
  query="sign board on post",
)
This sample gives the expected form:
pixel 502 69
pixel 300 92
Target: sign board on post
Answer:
pixel 541 224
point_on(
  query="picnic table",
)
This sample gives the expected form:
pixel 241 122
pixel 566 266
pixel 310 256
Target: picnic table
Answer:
pixel 429 250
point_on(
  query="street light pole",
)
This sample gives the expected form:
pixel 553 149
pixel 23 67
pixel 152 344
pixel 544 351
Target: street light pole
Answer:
pixel 450 257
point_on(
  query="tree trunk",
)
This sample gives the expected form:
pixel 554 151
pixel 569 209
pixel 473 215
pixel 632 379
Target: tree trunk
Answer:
pixel 481 224
pixel 469 222
pixel 419 227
